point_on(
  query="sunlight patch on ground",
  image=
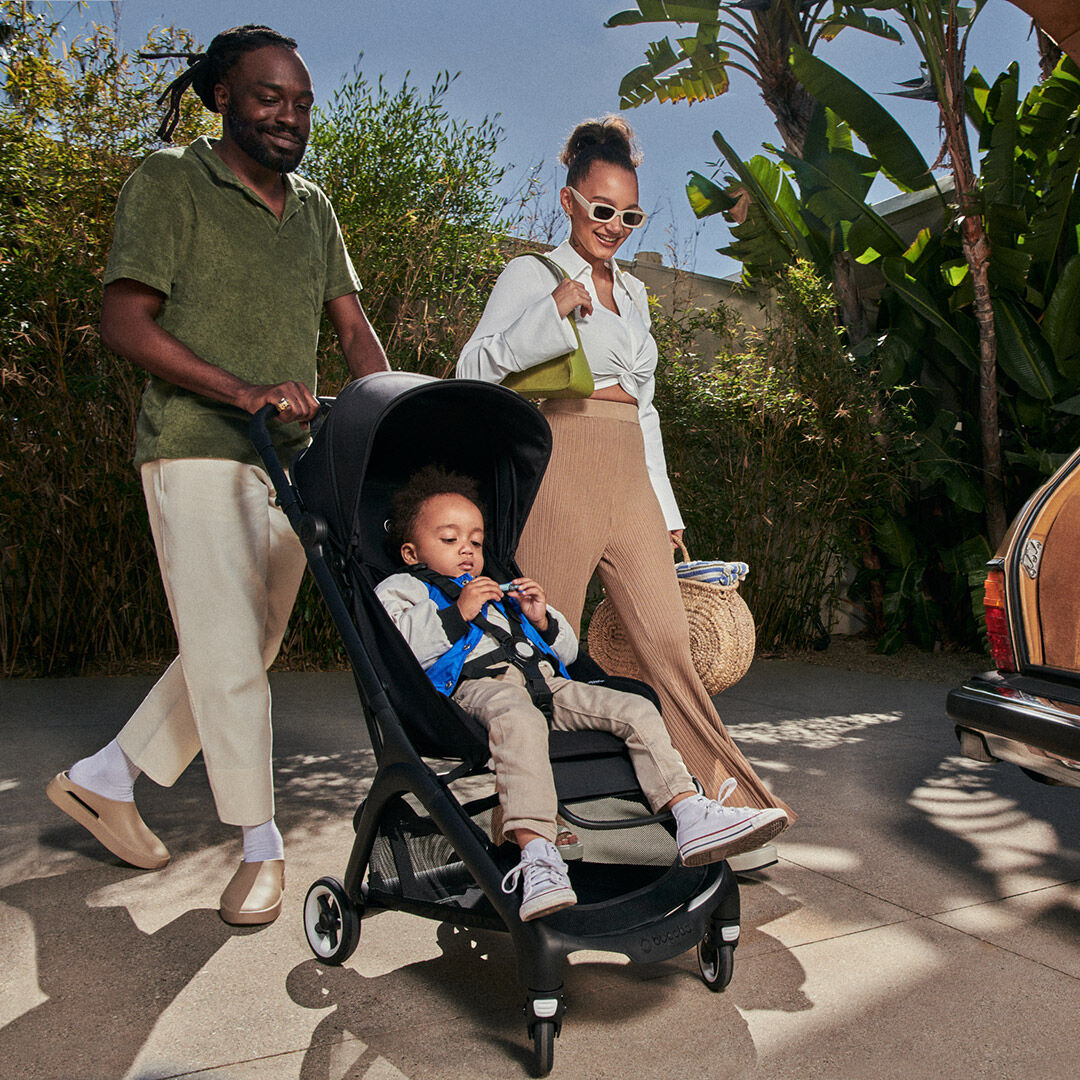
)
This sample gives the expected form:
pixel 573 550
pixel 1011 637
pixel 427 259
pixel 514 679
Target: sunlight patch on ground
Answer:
pixel 846 981
pixel 959 799
pixel 154 900
pixel 824 860
pixel 324 781
pixel 19 990
pixel 811 732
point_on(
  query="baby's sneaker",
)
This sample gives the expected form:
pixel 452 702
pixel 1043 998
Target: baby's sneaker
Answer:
pixel 707 831
pixel 546 887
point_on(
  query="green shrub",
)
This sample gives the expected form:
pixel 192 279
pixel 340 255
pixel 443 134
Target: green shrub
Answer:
pixel 774 454
pixel 78 580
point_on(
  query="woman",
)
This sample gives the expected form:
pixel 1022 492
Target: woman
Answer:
pixel 606 503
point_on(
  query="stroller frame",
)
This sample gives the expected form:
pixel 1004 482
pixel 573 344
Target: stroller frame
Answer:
pixel 646 913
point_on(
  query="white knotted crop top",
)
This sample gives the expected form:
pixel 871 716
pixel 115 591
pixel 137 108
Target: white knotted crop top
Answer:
pixel 521 327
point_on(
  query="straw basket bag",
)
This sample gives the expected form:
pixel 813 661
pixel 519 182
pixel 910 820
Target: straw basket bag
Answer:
pixel 721 626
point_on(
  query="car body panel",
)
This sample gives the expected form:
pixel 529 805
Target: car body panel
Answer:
pixel 1040 556
pixel 1031 717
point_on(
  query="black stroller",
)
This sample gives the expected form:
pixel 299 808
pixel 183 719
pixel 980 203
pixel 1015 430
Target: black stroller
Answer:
pixel 418 848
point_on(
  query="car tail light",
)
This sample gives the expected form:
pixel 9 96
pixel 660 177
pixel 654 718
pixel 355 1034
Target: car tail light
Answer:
pixel 997 621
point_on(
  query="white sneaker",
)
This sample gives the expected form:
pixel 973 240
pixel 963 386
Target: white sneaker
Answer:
pixel 547 884
pixel 707 831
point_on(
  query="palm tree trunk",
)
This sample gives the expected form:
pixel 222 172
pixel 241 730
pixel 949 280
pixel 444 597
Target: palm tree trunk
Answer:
pixel 976 247
pixel 977 253
pixel 849 300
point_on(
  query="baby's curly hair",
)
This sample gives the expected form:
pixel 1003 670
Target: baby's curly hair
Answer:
pixel 425 484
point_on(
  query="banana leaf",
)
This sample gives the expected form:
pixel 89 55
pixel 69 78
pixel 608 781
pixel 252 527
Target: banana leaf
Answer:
pixel 703 77
pixel 963 491
pixel 776 201
pixel 1069 405
pixel 705 197
pixel 1022 351
pixel 759 246
pixel 1060 324
pixel 895 539
pixel 923 304
pixel 1050 219
pixel 976 94
pixel 886 140
pixel 831 25
pixel 1048 107
pixel 999 137
pixel 826 197
pixel 1009 268
pixel 686 11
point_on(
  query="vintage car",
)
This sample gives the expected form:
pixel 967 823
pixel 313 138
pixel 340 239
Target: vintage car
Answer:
pixel 1028 711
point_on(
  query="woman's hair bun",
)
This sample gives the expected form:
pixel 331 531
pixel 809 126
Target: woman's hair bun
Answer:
pixel 607 138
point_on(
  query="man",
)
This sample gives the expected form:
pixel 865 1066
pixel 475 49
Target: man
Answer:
pixel 221 265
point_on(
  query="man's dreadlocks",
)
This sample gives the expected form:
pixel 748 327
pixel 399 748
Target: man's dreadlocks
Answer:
pixel 206 70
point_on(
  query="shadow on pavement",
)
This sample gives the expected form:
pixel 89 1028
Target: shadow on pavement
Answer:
pixel 107 982
pixel 380 1019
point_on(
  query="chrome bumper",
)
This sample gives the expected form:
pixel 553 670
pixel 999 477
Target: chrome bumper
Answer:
pixel 1028 729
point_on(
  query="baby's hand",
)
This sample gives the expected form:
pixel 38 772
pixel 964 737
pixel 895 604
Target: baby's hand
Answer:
pixel 532 601
pixel 475 595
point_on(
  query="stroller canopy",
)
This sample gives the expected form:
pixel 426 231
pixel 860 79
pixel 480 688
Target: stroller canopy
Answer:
pixel 385 426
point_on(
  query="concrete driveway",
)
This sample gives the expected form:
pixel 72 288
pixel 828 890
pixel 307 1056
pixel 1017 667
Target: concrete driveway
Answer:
pixel 923 920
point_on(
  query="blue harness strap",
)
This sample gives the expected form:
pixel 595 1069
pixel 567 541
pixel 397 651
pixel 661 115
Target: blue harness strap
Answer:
pixel 446 672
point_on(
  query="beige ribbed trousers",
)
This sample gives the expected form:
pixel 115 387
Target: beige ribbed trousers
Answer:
pixel 596 510
pixel 231 565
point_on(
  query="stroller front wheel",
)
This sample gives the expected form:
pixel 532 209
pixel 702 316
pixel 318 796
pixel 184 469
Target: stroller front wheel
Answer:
pixel 543 1047
pixel 331 921
pixel 716 962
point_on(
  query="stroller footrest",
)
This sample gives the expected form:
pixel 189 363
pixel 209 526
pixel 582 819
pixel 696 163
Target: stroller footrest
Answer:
pixel 661 920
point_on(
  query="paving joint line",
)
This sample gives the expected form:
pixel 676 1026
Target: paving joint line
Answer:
pixel 934 917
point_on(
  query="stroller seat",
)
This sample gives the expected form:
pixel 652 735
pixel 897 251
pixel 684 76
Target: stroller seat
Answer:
pixel 418 846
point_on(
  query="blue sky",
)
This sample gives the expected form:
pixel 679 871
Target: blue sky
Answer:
pixel 544 66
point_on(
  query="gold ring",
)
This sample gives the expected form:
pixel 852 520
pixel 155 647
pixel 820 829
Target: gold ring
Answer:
pixel 284 405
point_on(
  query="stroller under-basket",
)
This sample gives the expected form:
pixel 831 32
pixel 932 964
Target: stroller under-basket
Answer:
pixel 418 847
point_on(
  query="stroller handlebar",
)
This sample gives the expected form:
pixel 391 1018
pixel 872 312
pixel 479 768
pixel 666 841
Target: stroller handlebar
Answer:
pixel 258 430
pixel 259 433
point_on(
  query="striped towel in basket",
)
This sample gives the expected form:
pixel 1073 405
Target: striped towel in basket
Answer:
pixel 712 572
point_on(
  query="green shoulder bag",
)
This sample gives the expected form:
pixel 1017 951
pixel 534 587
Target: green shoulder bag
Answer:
pixel 566 376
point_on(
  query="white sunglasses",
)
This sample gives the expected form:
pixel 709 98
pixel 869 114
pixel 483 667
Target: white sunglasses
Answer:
pixel 632 219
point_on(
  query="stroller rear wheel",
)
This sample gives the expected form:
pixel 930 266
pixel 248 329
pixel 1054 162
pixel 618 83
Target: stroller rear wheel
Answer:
pixel 331 921
pixel 716 961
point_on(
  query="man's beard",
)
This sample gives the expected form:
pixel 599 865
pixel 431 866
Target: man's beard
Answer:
pixel 246 135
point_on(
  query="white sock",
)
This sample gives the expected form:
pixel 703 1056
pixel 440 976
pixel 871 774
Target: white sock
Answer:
pixel 109 772
pixel 263 842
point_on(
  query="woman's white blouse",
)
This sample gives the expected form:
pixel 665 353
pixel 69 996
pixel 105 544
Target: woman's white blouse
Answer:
pixel 521 327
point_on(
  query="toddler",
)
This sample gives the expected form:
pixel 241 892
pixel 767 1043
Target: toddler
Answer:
pixel 501 653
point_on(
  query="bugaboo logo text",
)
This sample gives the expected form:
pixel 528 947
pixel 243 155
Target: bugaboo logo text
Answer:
pixel 648 944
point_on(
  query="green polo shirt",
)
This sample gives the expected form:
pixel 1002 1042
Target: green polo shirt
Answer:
pixel 242 289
